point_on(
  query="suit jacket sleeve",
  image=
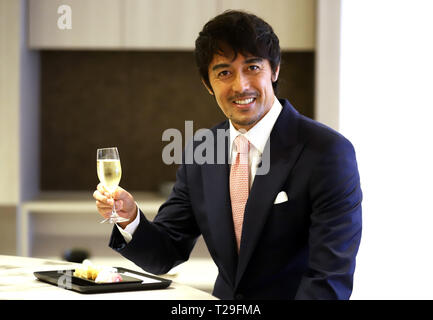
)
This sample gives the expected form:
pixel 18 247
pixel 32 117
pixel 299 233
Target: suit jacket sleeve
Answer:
pixel 335 229
pixel 166 242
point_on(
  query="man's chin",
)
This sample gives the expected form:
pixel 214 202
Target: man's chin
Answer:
pixel 245 124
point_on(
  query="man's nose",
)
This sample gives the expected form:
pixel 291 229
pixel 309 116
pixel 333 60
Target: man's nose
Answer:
pixel 240 83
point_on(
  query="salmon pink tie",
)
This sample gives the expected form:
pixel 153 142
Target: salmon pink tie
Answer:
pixel 239 185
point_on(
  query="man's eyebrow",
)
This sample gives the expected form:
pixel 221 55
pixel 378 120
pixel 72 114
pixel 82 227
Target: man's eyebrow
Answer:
pixel 253 60
pixel 247 61
pixel 219 66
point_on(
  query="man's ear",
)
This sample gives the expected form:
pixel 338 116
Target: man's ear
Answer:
pixel 207 87
pixel 275 74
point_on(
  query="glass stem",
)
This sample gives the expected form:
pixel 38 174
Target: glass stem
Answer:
pixel 114 213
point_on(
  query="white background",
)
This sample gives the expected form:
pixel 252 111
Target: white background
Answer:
pixel 386 110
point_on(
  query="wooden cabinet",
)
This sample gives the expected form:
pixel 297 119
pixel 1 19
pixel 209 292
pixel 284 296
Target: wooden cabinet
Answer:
pixel 159 24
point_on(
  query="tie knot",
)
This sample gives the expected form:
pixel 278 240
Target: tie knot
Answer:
pixel 242 144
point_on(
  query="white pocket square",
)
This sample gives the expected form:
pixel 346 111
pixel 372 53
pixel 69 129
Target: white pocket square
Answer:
pixel 281 197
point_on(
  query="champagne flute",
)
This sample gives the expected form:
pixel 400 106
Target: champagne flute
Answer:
pixel 109 173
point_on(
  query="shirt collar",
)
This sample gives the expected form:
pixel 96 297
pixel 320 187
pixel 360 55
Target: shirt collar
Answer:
pixel 259 134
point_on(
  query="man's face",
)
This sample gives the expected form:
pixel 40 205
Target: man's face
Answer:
pixel 242 87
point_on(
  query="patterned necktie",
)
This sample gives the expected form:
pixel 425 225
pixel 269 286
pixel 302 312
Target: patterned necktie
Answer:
pixel 239 185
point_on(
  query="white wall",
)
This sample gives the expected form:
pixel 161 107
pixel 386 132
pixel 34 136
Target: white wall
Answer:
pixel 386 110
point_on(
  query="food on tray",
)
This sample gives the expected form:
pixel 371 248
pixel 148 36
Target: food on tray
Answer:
pixel 107 276
pixel 99 274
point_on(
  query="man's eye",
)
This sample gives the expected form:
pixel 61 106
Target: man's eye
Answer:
pixel 223 74
pixel 253 68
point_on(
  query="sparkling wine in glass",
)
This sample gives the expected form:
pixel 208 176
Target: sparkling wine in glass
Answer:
pixel 109 173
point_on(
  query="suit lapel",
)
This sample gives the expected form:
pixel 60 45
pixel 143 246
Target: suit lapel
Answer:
pixel 217 202
pixel 284 151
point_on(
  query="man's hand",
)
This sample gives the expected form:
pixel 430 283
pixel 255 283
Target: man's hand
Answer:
pixel 125 203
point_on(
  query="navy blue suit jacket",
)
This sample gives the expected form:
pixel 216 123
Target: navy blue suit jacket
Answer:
pixel 303 248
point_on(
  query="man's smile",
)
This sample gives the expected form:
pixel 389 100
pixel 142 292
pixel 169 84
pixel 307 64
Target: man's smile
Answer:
pixel 244 104
pixel 244 101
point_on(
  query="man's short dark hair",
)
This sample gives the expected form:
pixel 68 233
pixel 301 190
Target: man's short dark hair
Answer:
pixel 244 33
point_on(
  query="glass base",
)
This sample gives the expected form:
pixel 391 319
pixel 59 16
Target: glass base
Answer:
pixel 114 219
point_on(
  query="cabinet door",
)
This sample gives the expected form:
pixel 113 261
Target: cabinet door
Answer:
pixel 293 21
pixel 165 24
pixel 95 24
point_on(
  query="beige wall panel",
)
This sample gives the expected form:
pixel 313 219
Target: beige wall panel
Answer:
pixel 9 101
pixel 293 20
pixel 327 98
pixel 165 24
pixel 7 229
pixel 95 24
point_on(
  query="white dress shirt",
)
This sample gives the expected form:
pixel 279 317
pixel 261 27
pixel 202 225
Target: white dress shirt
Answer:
pixel 257 136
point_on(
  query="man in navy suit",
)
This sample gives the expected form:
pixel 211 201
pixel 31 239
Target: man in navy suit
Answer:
pixel 301 224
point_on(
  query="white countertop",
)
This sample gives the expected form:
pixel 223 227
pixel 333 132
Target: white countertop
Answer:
pixel 17 281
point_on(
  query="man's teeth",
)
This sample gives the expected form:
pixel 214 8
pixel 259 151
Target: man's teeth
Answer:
pixel 246 101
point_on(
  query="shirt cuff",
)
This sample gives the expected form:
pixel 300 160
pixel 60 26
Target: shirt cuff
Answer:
pixel 130 228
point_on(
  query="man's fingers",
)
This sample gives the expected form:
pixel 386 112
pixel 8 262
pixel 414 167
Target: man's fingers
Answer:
pixel 105 202
pixel 123 200
pixel 103 205
pixel 120 193
pixel 102 190
pixel 104 209
pixel 105 213
pixel 97 195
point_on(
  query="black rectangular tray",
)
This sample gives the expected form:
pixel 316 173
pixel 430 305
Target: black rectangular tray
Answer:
pixel 64 279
